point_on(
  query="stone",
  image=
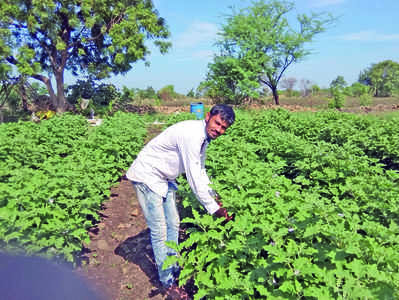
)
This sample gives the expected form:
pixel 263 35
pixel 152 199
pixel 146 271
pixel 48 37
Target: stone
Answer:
pixel 135 212
pixel 103 245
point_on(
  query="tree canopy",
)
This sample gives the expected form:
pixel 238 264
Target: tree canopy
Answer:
pixel 382 78
pixel 230 80
pixel 338 82
pixel 42 39
pixel 264 44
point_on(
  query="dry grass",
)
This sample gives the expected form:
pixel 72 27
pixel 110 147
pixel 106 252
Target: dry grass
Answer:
pixel 186 101
pixel 321 102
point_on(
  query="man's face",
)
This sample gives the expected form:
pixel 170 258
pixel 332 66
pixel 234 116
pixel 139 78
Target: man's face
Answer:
pixel 215 126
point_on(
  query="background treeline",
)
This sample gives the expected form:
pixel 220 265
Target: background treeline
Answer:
pixel 255 47
pixel 20 97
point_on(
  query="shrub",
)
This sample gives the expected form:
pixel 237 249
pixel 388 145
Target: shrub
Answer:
pixel 365 100
pixel 359 89
pixel 167 93
pixel 338 100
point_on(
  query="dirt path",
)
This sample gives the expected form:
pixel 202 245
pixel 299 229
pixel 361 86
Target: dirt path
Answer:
pixel 119 260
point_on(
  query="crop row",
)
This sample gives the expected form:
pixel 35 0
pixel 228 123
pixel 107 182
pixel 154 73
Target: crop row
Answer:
pixel 55 175
pixel 316 210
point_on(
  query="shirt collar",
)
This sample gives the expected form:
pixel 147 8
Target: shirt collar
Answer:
pixel 207 138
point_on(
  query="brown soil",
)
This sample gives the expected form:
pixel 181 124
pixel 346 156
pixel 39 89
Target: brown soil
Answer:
pixel 119 261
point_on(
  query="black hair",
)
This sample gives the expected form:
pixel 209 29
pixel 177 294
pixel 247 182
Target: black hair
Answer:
pixel 226 113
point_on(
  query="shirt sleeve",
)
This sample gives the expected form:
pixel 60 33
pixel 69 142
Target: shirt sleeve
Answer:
pixel 193 162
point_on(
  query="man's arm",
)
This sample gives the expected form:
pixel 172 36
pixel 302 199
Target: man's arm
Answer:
pixel 196 176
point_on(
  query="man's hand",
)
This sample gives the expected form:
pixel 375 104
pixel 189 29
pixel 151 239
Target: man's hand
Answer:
pixel 222 213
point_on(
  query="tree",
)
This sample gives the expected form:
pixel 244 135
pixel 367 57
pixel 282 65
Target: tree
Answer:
pixel 315 89
pixel 358 89
pixel 338 82
pixel 102 96
pixel 262 35
pixel 18 92
pixel 191 93
pixel 167 93
pixel 96 38
pixel 383 78
pixel 230 80
pixel 338 98
pixel 147 93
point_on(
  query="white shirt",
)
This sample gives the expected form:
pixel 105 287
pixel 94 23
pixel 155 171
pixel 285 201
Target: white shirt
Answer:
pixel 178 149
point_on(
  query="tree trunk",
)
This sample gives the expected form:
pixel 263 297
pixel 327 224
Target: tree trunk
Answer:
pixel 24 96
pixel 53 96
pixel 275 95
pixel 62 104
pixel 58 100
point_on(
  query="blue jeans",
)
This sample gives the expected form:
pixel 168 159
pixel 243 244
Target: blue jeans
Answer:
pixel 163 221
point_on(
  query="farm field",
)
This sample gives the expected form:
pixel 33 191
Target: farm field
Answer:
pixel 314 193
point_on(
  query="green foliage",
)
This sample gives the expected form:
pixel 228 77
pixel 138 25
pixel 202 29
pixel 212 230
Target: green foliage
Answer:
pixel 191 93
pixel 104 94
pixel 315 89
pixel 338 98
pixel 358 89
pixel 257 44
pixel 148 93
pixel 230 80
pixel 137 96
pixel 39 88
pixel 365 100
pixel 101 96
pixel 55 175
pixel 167 93
pixel 128 95
pixel 338 82
pixel 12 99
pixel 97 39
pixel 315 206
pixel 382 78
pixel 81 89
pixel 295 93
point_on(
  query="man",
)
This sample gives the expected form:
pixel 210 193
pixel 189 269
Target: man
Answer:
pixel 178 149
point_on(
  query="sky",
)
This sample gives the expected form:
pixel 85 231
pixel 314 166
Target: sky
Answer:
pixel 366 32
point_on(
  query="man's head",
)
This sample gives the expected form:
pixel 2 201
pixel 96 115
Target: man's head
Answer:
pixel 218 119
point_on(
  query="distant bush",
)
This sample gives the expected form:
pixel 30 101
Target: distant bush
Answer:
pixel 295 93
pixel 365 100
pixel 357 89
pixel 191 93
pixel 167 93
pixel 315 89
pixel 338 98
pixel 148 93
pixel 100 97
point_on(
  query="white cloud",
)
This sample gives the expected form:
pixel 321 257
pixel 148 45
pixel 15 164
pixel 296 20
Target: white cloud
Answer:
pixel 369 35
pixel 197 34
